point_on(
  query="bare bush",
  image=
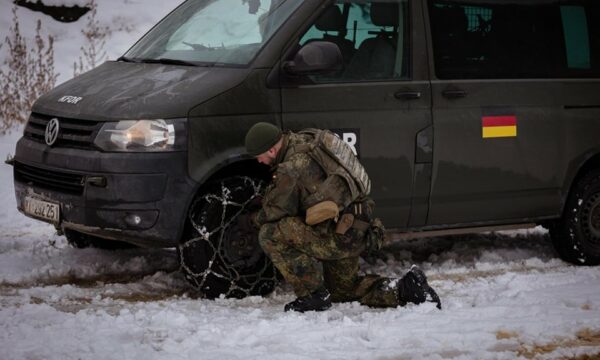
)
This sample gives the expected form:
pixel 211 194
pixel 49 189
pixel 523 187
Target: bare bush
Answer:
pixel 95 37
pixel 27 74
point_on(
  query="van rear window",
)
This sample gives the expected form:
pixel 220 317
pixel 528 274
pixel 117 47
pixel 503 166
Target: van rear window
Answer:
pixel 577 41
pixel 496 39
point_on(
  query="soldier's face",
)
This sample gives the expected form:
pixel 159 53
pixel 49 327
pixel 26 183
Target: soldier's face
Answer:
pixel 267 157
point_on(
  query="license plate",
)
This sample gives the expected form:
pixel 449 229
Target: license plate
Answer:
pixel 41 209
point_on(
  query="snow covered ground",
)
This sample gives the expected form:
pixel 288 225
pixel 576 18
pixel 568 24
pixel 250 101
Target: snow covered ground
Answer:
pixel 504 296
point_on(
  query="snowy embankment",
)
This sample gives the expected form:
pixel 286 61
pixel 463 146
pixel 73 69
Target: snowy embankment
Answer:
pixel 504 296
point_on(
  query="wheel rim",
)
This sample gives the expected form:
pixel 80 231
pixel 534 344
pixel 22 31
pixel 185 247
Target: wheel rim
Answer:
pixel 592 217
pixel 240 247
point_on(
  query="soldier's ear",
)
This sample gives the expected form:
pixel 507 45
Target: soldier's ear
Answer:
pixel 275 149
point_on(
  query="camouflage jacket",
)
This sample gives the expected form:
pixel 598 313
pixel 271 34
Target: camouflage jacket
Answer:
pixel 296 176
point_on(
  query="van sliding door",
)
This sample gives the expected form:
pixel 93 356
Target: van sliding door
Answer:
pixel 504 79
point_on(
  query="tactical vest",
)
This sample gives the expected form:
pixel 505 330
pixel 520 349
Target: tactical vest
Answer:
pixel 336 159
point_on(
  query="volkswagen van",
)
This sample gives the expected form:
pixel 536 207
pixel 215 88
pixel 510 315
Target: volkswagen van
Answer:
pixel 469 115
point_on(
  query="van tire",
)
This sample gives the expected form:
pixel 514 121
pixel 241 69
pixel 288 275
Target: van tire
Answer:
pixel 217 256
pixel 576 236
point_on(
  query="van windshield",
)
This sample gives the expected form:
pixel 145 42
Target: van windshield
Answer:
pixel 209 32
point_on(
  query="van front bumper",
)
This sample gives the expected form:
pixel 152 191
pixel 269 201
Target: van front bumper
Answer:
pixel 140 198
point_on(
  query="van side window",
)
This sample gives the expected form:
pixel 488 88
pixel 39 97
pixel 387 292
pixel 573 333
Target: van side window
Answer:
pixel 372 37
pixel 502 40
pixel 577 40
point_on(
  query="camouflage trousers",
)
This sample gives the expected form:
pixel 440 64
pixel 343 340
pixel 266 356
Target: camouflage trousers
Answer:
pixel 312 257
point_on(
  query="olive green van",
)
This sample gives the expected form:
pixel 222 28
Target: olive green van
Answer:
pixel 469 115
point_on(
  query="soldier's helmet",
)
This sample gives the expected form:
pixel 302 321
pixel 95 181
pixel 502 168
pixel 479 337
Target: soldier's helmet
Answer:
pixel 261 137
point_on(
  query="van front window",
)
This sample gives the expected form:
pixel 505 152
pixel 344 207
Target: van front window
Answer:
pixel 209 32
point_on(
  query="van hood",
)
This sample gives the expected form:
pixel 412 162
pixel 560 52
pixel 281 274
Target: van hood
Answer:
pixel 124 91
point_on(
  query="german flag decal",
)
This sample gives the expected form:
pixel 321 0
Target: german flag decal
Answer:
pixel 499 126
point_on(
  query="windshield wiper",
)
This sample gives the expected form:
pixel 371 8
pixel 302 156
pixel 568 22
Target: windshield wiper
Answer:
pixel 168 62
pixel 126 59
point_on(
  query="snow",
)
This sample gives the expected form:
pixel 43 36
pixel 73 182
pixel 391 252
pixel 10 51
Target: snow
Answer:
pixel 127 20
pixel 81 3
pixel 64 303
pixel 505 295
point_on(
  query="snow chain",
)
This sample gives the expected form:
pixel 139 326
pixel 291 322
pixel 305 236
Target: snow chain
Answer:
pixel 214 238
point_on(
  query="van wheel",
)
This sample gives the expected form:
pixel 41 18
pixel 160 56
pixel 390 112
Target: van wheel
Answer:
pixel 576 236
pixel 81 241
pixel 218 256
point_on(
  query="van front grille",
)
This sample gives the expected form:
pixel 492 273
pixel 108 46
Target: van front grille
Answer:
pixel 73 133
pixel 71 183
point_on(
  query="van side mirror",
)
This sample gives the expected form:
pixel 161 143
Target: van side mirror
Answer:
pixel 316 57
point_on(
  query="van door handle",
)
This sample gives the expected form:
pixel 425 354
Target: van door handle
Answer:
pixel 407 95
pixel 454 94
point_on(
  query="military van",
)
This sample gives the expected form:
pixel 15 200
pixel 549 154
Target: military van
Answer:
pixel 469 115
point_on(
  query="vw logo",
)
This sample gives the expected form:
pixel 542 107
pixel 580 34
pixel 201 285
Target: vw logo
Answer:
pixel 52 131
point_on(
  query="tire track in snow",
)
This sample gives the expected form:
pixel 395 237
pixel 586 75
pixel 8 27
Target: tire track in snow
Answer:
pixel 158 280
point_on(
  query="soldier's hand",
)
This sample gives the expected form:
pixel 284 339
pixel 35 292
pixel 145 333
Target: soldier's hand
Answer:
pixel 255 204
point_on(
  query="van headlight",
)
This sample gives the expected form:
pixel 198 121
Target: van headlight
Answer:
pixel 142 135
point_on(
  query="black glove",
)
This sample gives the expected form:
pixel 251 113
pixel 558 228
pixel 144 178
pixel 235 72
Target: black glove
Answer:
pixel 246 222
pixel 255 204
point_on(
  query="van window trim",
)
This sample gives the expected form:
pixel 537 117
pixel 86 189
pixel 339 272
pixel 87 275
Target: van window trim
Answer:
pixel 305 80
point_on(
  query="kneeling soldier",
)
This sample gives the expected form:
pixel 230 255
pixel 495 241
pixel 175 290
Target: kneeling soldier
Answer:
pixel 316 220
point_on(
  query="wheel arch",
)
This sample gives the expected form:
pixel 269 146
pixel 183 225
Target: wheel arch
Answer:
pixel 570 233
pixel 239 166
pixel 590 162
pixel 249 167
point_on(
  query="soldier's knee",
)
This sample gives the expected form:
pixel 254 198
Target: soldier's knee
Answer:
pixel 281 234
pixel 265 235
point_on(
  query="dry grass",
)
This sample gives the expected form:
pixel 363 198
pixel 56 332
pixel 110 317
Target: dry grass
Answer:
pixel 505 334
pixel 28 73
pixel 95 35
pixel 583 338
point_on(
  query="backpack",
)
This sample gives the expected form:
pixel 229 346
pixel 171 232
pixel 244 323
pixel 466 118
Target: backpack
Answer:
pixel 336 158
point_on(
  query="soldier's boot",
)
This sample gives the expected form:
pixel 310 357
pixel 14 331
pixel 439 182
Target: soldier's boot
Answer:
pixel 317 301
pixel 413 288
